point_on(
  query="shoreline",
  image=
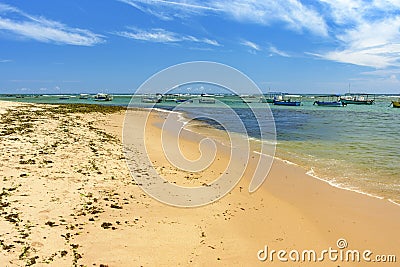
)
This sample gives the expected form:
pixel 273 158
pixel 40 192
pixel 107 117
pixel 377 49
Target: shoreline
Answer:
pixel 369 188
pixel 308 172
pixel 80 199
pixel 184 118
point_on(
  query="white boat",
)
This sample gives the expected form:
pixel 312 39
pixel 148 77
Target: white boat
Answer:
pixel 207 100
pixel 251 99
pixel 103 97
pixel 207 95
pixel 84 96
pixel 357 99
pixel 152 98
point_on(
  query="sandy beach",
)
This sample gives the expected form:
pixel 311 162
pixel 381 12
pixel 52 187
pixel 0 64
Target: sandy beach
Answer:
pixel 69 199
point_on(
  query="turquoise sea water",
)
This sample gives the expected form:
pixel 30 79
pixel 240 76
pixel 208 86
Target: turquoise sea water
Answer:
pixel 355 147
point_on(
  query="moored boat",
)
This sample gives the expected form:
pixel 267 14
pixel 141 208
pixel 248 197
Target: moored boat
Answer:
pixel 183 100
pixel 84 96
pixel 357 99
pixel 329 101
pixel 271 97
pixel 396 104
pixel 251 99
pixel 103 97
pixel 286 103
pixel 207 100
pixel 282 101
pixel 152 98
pixel 268 100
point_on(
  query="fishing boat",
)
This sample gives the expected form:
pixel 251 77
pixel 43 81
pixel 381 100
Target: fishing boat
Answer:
pixel 357 99
pixel 287 102
pixel 251 99
pixel 271 97
pixel 329 101
pixel 281 101
pixel 84 96
pixel 207 99
pixel 152 98
pixel 169 97
pixel 183 100
pixel 396 104
pixel 103 97
pixel 207 95
pixel 268 100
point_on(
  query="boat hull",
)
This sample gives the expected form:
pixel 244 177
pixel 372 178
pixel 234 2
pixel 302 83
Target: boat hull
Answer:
pixel 103 97
pixel 268 100
pixel 205 100
pixel 287 103
pixel 396 104
pixel 151 100
pixel 329 104
pixel 178 101
pixel 357 102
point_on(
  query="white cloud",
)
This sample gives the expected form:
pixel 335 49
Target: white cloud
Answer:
pixel 168 10
pixel 276 51
pixel 368 33
pixel 210 42
pixel 5 60
pixel 361 33
pixel 251 45
pixel 192 5
pixel 163 36
pixel 345 11
pixel 292 13
pixel 31 81
pixel 383 72
pixel 361 58
pixel 155 35
pixel 41 29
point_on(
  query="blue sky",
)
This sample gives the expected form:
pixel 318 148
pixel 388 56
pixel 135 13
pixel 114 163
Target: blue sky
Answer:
pixel 73 46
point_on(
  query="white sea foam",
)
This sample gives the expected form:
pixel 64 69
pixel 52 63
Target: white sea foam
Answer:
pixel 164 110
pixel 277 158
pixel 330 182
pixel 340 186
pixel 394 202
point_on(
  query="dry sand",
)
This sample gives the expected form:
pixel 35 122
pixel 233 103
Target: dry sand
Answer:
pixel 68 199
